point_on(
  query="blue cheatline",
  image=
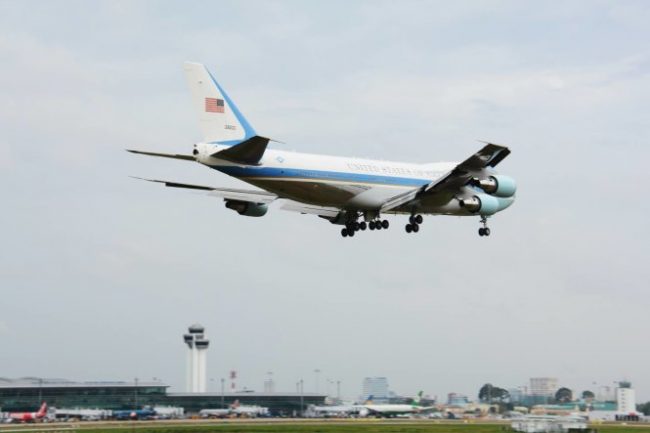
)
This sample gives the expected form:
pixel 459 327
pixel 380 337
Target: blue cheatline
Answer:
pixel 318 174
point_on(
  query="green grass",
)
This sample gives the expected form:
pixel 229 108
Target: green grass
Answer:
pixel 308 427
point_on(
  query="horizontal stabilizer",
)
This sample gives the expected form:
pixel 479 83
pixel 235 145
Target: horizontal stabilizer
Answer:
pixel 164 155
pixel 248 151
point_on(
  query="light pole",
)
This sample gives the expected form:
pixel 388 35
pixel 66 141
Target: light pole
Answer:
pixel 135 395
pixel 223 381
pixel 302 398
pixel 338 390
pixel 317 376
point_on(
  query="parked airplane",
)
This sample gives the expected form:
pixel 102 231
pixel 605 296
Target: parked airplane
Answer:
pixel 138 414
pixel 391 410
pixel 351 192
pixel 28 416
pixel 235 410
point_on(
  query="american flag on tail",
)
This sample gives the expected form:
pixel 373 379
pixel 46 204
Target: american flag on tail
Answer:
pixel 213 105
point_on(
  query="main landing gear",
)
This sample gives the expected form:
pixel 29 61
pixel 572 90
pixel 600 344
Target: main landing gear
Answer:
pixel 352 227
pixel 485 230
pixel 378 225
pixel 414 224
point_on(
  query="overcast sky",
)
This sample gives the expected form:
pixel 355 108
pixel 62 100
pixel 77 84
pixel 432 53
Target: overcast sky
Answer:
pixel 100 274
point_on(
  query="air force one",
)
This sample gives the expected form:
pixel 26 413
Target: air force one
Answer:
pixel 351 192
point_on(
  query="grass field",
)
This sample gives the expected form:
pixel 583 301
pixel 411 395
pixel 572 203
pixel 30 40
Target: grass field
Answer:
pixel 294 426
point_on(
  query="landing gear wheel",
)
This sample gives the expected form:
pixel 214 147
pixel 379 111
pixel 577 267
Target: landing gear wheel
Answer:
pixel 485 230
pixel 385 224
pixel 355 226
pixel 412 219
pixel 362 225
pixel 409 228
pixel 344 233
pixel 371 225
pixel 419 219
pixel 416 228
pixel 351 234
pixel 378 225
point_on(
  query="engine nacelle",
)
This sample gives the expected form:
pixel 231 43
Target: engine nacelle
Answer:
pixel 481 203
pixel 247 208
pixel 501 186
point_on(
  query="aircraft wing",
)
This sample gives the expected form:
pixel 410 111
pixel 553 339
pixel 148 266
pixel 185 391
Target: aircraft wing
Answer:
pixel 294 206
pixel 489 156
pixel 253 196
pixel 249 195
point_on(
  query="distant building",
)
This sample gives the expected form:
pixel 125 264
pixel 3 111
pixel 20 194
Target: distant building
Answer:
pixel 269 386
pixel 543 386
pixel 455 399
pixel 516 395
pixel 18 395
pixel 375 387
pixel 626 399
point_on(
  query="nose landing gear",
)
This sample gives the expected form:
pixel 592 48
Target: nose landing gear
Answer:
pixel 485 230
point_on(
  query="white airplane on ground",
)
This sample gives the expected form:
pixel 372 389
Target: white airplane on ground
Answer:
pixel 391 410
pixel 371 409
pixel 347 191
pixel 235 409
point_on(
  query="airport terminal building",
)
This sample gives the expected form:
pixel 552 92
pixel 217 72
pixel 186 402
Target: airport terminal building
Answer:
pixel 26 394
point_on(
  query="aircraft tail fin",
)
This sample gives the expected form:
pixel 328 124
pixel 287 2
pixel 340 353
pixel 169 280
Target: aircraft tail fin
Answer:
pixel 220 119
pixel 418 398
pixel 41 412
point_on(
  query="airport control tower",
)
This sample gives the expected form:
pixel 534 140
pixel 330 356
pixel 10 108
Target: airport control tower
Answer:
pixel 196 378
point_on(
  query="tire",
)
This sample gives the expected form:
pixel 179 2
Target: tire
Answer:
pixel 412 219
pixel 419 219
pixel 378 225
pixel 356 226
pixel 486 230
pixel 363 225
pixel 344 233
pixel 351 234
pixel 385 224
pixel 416 228
pixel 480 232
pixel 408 228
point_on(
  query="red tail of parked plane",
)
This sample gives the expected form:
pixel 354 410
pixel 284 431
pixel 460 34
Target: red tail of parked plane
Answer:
pixel 29 416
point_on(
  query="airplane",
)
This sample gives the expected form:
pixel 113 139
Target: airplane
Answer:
pixel 236 410
pixel 215 413
pixel 144 413
pixel 351 192
pixel 372 409
pixel 28 416
pixel 392 410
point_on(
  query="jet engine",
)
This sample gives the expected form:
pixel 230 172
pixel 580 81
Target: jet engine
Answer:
pixel 247 208
pixel 480 203
pixel 500 186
